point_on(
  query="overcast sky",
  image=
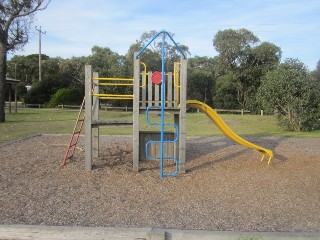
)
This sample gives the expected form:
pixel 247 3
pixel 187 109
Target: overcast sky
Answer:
pixel 73 27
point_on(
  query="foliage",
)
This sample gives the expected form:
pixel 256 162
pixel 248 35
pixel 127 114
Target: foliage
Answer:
pixel 316 72
pixel 21 92
pixel 240 54
pixel 66 96
pixel 73 68
pixel 15 21
pixel 26 68
pixel 225 96
pixel 41 92
pixel 152 55
pixel 293 93
pixel 201 79
pixel 110 64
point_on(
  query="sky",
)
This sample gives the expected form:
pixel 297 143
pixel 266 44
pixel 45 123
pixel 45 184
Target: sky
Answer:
pixel 73 27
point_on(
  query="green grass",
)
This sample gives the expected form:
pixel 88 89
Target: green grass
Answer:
pixel 31 121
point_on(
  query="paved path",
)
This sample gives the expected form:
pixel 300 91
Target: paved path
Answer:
pixel 32 232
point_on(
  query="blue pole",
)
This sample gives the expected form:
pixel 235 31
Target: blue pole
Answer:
pixel 163 84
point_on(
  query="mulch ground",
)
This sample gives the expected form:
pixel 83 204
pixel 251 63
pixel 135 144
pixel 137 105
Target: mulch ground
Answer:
pixel 226 187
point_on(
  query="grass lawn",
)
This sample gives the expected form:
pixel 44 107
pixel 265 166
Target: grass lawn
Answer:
pixel 31 121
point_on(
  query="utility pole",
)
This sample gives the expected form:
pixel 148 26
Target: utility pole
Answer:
pixel 40 32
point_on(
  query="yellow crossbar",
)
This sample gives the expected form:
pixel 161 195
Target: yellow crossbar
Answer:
pixel 115 84
pixel 113 79
pixel 159 101
pixel 111 95
pixel 114 98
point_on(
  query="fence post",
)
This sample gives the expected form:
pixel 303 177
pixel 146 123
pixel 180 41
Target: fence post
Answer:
pixel 261 112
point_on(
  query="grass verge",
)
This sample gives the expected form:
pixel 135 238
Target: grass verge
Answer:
pixel 31 121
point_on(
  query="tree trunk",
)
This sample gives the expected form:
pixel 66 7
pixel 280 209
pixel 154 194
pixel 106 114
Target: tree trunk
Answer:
pixel 3 71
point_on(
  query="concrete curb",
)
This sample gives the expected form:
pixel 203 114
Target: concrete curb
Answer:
pixel 33 232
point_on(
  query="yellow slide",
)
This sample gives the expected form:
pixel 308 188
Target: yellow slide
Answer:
pixel 212 114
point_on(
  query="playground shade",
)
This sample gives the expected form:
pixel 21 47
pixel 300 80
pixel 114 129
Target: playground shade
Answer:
pixel 212 114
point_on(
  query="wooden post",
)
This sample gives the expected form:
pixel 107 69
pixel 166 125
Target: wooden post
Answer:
pixel 156 94
pixel 15 98
pixel 182 121
pixel 95 131
pixel 136 126
pixel 88 118
pixel 176 119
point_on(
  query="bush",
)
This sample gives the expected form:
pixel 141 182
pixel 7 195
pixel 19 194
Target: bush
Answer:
pixel 225 96
pixel 67 96
pixel 41 92
pixel 294 93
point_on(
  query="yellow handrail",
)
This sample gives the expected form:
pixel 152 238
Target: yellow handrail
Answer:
pixel 175 74
pixel 145 74
pixel 115 84
pixel 114 98
pixel 113 79
pixel 154 101
pixel 111 95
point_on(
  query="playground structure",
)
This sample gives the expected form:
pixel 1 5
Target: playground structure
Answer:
pixel 153 93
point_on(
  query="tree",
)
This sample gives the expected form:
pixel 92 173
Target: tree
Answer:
pixel 241 55
pixel 152 55
pixel 201 79
pixel 107 62
pixel 73 68
pixel 225 93
pixel 15 20
pixel 41 92
pixel 294 94
pixel 316 73
pixel 26 68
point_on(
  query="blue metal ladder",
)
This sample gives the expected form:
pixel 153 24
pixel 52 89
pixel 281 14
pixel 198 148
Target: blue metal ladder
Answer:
pixel 162 156
pixel 162 124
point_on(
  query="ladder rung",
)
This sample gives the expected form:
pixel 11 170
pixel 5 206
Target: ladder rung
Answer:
pixel 81 120
pixel 73 144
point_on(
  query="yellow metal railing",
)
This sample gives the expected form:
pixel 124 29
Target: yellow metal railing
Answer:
pixel 115 84
pixel 176 79
pixel 113 79
pixel 144 75
pixel 119 96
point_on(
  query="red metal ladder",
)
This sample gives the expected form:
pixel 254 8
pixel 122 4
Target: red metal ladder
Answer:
pixel 75 134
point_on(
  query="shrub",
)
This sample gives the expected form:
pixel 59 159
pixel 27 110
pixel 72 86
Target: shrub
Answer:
pixel 293 92
pixel 67 96
pixel 41 92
